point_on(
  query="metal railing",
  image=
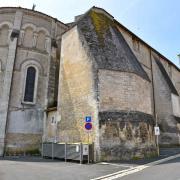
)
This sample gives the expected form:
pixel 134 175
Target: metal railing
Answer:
pixel 68 151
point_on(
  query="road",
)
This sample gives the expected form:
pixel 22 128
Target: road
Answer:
pixel 169 170
pixel 45 169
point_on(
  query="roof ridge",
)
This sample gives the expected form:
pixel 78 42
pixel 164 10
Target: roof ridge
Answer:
pixel 27 9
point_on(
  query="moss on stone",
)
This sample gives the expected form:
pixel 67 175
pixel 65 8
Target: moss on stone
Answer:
pixel 147 155
pixel 101 24
pixel 151 155
pixel 33 152
pixel 19 151
pixel 135 158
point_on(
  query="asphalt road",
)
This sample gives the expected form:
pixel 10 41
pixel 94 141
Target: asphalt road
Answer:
pixel 36 168
pixel 169 170
pixel 44 169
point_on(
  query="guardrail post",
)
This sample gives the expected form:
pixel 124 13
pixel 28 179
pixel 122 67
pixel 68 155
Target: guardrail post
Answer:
pixel 88 152
pixel 65 152
pixel 42 150
pixel 52 150
pixel 81 153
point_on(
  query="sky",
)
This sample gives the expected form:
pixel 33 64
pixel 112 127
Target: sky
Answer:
pixel 157 22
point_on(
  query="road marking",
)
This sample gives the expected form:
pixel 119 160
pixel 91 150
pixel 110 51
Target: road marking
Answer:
pixel 121 173
pixel 134 169
pixel 113 164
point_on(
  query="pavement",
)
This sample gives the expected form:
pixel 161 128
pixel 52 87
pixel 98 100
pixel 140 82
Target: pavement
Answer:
pixel 35 168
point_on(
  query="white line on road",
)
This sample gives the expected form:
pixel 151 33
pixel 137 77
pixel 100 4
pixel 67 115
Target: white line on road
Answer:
pixel 121 173
pixel 134 169
pixel 113 164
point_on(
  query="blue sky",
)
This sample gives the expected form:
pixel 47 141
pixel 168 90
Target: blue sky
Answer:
pixel 155 21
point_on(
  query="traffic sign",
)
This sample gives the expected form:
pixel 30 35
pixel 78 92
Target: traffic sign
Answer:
pixel 85 149
pixel 88 126
pixel 88 119
pixel 156 130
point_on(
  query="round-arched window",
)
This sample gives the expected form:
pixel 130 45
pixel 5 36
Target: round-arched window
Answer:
pixel 30 84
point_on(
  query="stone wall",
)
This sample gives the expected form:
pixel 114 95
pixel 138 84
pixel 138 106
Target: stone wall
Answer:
pixel 160 91
pixel 163 101
pixel 7 78
pixel 123 94
pixel 50 134
pixel 30 144
pixel 126 135
pixel 76 88
pixel 34 47
pixel 125 116
pixel 124 91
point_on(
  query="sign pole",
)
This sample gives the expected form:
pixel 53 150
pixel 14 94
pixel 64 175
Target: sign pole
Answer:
pixel 157 138
pixel 88 147
pixel 88 127
pixel 157 144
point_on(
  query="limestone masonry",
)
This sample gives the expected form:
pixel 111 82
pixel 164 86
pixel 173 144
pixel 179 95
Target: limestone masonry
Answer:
pixel 53 75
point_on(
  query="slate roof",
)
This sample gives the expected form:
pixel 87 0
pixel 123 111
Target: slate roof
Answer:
pixel 107 45
pixel 166 77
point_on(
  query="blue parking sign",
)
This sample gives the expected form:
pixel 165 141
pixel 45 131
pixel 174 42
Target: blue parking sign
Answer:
pixel 88 119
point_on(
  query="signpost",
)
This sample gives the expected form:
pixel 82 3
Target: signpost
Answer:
pixel 86 149
pixel 157 133
pixel 156 130
pixel 88 127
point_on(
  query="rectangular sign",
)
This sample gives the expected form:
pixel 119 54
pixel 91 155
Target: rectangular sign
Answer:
pixel 88 119
pixel 85 149
pixel 77 148
pixel 156 130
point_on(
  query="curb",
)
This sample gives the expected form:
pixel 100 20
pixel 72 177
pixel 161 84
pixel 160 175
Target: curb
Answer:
pixel 162 160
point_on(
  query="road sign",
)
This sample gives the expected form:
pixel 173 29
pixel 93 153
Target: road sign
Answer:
pixel 156 130
pixel 85 149
pixel 77 148
pixel 88 119
pixel 88 126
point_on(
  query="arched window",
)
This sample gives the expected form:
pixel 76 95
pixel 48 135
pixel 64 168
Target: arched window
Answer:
pixel 30 84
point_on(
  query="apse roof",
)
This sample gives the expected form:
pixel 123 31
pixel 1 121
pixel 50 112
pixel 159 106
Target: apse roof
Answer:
pixel 126 29
pixel 107 45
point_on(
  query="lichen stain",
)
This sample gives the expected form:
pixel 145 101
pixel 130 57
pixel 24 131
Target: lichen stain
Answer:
pixel 143 132
pixel 101 24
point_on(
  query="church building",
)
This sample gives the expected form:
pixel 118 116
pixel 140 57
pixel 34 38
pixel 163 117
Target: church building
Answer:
pixel 53 75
